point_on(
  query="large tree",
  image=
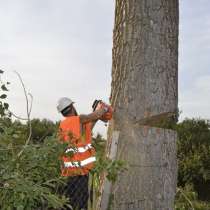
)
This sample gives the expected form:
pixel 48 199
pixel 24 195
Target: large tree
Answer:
pixel 144 95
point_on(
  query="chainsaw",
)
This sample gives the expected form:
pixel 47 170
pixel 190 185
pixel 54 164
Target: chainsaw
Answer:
pixel 98 104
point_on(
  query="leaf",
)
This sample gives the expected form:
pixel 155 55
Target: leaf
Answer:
pixel 20 207
pixel 1 71
pixel 6 105
pixel 15 136
pixel 3 96
pixel 4 88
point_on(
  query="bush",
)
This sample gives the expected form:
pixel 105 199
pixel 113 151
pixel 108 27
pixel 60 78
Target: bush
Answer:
pixel 194 156
pixel 42 129
pixel 187 199
pixel 31 180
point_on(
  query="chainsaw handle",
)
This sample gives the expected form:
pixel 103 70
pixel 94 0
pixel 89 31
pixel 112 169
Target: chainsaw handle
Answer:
pixel 99 104
pixel 95 104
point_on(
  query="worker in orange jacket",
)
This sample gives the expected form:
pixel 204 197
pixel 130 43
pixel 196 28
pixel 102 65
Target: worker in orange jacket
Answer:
pixel 79 157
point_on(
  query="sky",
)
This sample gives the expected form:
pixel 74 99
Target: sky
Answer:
pixel 64 48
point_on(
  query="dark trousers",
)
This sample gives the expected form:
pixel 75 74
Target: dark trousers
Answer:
pixel 77 192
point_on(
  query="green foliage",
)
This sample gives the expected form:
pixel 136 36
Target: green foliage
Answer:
pixel 194 155
pixel 42 129
pixel 3 104
pixel 19 131
pixel 13 134
pixel 187 199
pixel 32 180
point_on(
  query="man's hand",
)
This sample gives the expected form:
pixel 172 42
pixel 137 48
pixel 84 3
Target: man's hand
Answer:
pixel 94 116
pixel 101 111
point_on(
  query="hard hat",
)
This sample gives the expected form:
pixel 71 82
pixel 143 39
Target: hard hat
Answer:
pixel 64 103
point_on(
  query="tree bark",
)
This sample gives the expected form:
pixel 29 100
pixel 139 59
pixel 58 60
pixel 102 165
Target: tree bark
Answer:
pixel 144 91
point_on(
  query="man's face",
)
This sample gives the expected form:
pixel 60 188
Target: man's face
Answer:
pixel 72 111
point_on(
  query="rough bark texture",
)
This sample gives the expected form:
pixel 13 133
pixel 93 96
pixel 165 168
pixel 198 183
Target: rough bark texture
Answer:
pixel 145 49
pixel 149 183
pixel 144 85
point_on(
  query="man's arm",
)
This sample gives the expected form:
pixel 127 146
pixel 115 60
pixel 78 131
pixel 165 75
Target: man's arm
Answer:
pixel 92 117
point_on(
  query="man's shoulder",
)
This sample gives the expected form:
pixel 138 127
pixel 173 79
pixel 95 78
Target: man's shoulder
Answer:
pixel 69 120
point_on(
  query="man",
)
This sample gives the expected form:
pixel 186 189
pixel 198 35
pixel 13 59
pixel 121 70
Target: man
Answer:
pixel 79 158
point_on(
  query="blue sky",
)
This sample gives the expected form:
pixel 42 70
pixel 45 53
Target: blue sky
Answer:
pixel 63 48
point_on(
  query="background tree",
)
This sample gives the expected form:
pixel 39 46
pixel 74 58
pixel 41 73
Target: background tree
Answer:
pixel 144 95
pixel 194 156
pixel 42 129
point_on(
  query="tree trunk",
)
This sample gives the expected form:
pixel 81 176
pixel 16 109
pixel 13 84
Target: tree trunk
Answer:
pixel 144 95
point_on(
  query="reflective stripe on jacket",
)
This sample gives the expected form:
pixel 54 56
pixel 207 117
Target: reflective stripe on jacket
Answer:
pixel 79 157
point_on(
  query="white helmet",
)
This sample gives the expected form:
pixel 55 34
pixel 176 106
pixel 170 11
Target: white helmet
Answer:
pixel 64 103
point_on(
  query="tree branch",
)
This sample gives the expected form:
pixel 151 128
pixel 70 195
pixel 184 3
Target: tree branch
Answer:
pixel 28 109
pixel 179 190
pixel 16 116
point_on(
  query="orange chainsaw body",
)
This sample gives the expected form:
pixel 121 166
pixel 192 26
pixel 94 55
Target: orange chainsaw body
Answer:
pixel 98 104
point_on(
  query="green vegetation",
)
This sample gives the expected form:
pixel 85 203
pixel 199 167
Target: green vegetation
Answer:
pixel 187 199
pixel 31 180
pixel 194 164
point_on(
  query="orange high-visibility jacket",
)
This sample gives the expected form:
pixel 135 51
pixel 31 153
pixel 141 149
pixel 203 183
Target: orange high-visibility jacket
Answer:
pixel 79 157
